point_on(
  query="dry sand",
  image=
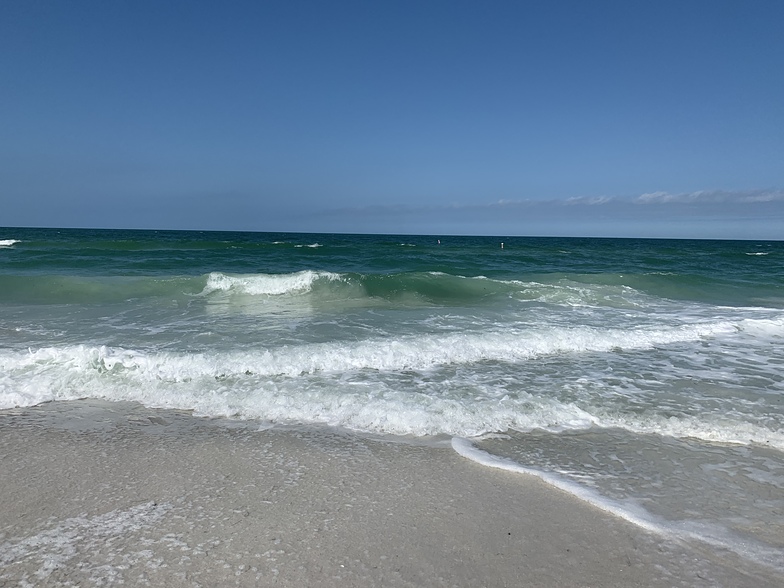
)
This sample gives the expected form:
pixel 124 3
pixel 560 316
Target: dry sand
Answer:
pixel 97 494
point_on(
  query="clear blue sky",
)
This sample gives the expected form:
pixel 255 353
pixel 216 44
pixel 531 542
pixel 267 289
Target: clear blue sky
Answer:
pixel 627 118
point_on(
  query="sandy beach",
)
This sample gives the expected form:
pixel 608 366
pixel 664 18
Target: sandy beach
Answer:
pixel 95 494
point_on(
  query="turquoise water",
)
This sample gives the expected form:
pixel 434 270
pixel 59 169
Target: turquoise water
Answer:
pixel 647 376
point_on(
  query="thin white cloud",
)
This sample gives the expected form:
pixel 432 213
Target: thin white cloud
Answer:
pixel 698 197
pixel 701 214
pixel 655 197
pixel 711 197
pixel 700 200
pixel 589 200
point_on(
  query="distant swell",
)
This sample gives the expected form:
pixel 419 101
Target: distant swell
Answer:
pixel 411 287
pixel 576 290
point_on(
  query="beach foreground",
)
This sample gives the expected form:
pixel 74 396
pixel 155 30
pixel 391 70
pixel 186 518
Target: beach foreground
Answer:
pixel 97 493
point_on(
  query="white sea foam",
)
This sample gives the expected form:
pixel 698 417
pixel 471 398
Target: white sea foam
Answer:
pixel 355 384
pixel 265 284
pixel 217 386
pixel 412 352
pixel 712 428
pixel 570 293
pixel 758 253
pixel 311 246
pixel 220 386
pixel 9 242
pixel 60 545
pixel 465 448
pixel 763 327
pixel 405 353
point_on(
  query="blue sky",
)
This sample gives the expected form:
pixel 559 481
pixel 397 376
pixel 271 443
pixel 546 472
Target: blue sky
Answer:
pixel 628 118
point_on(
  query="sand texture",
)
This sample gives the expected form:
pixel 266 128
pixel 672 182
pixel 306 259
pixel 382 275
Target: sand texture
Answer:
pixel 100 494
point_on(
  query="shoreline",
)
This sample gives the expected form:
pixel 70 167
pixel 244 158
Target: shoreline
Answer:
pixel 95 493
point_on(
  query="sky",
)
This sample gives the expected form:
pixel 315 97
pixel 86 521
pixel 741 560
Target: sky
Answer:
pixel 565 118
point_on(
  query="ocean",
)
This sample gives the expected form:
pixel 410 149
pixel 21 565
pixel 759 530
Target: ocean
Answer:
pixel 643 376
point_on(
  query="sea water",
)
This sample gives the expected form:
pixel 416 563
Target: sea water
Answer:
pixel 644 376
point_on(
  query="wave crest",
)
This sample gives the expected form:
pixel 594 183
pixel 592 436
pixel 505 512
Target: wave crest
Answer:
pixel 266 284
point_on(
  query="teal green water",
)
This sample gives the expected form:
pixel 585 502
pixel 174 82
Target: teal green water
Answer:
pixel 691 264
pixel 648 374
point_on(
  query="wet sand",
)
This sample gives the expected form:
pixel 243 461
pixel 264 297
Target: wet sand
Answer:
pixel 96 494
